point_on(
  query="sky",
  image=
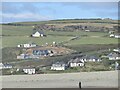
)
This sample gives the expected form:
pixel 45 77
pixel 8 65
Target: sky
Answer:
pixel 42 11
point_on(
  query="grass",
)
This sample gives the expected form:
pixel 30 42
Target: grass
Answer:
pixel 14 35
pixel 13 41
pixel 93 40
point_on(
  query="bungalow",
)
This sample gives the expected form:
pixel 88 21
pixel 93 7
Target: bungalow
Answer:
pixel 91 59
pixel 29 70
pixel 5 66
pixel 76 63
pixel 38 34
pixel 114 56
pixel 27 45
pixel 59 66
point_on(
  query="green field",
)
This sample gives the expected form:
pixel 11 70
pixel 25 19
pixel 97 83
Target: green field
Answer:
pixel 14 35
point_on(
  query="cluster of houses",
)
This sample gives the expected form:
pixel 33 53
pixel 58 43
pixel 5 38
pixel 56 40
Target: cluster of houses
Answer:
pixel 35 54
pixel 77 62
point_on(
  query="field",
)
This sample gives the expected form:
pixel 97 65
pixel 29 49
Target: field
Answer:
pixel 14 35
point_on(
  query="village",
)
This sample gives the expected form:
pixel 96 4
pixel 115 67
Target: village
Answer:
pixel 57 56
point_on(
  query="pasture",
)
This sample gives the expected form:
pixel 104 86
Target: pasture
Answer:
pixel 14 35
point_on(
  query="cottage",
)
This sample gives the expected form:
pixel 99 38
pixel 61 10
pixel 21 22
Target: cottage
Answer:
pixel 114 56
pixel 76 63
pixel 38 34
pixel 59 66
pixel 29 70
pixel 5 66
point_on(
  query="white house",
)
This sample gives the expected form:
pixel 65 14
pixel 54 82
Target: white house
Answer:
pixel 29 70
pixel 117 36
pixel 76 63
pixel 38 34
pixel 117 50
pixel 58 66
pixel 27 45
pixel 112 35
pixel 5 66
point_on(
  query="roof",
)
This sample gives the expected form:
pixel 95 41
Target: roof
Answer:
pixel 59 64
pixel 77 60
pixel 113 55
pixel 41 32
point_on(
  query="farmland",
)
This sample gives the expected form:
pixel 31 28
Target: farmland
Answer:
pixel 14 35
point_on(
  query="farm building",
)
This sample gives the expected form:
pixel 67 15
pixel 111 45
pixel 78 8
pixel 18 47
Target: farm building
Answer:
pixel 76 63
pixel 29 70
pixel 38 34
pixel 59 66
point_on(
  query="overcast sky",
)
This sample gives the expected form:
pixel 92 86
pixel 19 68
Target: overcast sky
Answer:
pixel 29 11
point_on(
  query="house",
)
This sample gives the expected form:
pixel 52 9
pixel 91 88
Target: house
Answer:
pixel 38 34
pixel 114 56
pixel 5 66
pixel 27 56
pixel 59 66
pixel 29 70
pixel 117 50
pixel 76 63
pixel 112 35
pixel 41 52
pixel 29 45
pixel 117 36
pixel 91 59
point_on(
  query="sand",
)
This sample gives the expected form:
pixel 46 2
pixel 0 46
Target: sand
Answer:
pixel 66 80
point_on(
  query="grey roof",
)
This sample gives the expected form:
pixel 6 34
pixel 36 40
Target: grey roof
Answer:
pixel 113 55
pixel 77 60
pixel 59 64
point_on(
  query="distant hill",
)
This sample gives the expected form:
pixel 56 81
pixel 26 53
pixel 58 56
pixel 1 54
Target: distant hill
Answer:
pixel 66 21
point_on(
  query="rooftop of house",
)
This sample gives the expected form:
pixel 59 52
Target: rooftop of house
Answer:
pixel 77 60
pixel 41 32
pixel 113 55
pixel 59 64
